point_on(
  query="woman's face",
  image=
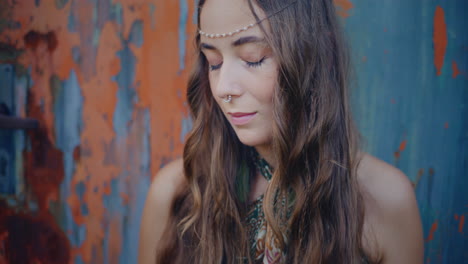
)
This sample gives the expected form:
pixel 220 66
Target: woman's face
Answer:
pixel 241 66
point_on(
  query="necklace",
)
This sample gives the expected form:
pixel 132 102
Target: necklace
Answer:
pixel 262 165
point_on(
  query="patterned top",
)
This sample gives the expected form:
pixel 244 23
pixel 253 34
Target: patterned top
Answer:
pixel 263 244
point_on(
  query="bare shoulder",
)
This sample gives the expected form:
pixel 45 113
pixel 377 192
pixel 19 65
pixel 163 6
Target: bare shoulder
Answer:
pixel 167 181
pixel 389 186
pixel 165 186
pixel 392 218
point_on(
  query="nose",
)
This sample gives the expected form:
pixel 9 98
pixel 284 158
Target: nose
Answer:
pixel 227 81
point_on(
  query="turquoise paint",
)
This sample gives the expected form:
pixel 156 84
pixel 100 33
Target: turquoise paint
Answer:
pixel 76 54
pixel 68 124
pixel 71 23
pixel 116 13
pixel 113 201
pixel 183 17
pixel 22 84
pixel 126 95
pixel 80 190
pixel 58 3
pixel 78 260
pixel 136 33
pixel 195 13
pixel 153 17
pixel 187 124
pixel 140 175
pixel 398 96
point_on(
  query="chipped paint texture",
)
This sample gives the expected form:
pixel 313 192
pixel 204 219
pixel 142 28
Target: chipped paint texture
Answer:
pixel 106 80
pixel 410 99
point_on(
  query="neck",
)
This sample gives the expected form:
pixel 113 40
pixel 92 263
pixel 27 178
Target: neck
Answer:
pixel 266 153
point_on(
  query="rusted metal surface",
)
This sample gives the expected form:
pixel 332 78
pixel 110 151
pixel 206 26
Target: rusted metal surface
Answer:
pixel 106 81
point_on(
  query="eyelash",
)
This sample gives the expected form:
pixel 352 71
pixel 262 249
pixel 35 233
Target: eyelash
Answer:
pixel 249 64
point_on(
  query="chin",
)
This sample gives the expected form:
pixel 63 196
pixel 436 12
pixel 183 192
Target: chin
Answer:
pixel 253 139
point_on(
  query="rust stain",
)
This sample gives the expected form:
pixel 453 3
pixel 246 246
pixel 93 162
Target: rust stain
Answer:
pixel 29 238
pixel 44 170
pixel 455 70
pixel 33 38
pixel 439 39
pixel 446 125
pixel 418 178
pixel 431 171
pixel 76 153
pixel 431 232
pixel 402 147
pixel 461 222
pixel 49 50
pixel 343 7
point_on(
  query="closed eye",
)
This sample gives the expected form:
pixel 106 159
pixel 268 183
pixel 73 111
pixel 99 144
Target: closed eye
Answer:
pixel 215 67
pixel 256 63
pixel 252 64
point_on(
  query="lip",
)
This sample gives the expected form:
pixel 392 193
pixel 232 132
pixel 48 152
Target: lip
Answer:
pixel 239 118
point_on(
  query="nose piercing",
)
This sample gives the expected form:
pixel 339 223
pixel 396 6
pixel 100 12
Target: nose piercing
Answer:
pixel 228 99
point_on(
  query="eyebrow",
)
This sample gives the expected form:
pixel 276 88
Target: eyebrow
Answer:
pixel 239 42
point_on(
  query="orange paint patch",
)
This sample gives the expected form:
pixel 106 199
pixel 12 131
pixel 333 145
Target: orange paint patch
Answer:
pixel 343 7
pixel 455 70
pixel 439 39
pixel 402 145
pixel 446 125
pixel 125 198
pixel 461 223
pixel 431 232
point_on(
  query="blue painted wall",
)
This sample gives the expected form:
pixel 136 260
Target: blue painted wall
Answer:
pixel 410 101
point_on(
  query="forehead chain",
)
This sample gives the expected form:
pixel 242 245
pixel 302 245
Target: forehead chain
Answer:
pixel 228 34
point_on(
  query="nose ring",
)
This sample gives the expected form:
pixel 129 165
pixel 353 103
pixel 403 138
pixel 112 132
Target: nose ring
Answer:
pixel 228 99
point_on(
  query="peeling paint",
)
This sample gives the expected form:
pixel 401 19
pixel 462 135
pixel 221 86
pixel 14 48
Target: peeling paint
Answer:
pixel 455 70
pixel 183 17
pixel 439 39
pixel 126 95
pixel 431 232
pixel 343 7
pixel 461 222
pixel 107 85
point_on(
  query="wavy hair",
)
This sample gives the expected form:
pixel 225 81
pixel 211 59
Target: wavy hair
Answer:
pixel 315 146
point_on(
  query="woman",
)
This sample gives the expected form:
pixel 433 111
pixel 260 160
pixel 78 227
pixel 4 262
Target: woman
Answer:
pixel 271 172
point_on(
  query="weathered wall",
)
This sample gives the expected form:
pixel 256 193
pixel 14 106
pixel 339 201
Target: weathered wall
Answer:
pixel 411 61
pixel 106 79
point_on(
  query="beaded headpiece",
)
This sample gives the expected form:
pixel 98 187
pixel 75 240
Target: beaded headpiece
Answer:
pixel 228 34
pixel 222 35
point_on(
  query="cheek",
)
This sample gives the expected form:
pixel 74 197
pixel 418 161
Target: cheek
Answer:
pixel 265 88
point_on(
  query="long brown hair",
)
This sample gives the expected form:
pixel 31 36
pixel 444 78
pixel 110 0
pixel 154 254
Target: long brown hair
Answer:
pixel 314 146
